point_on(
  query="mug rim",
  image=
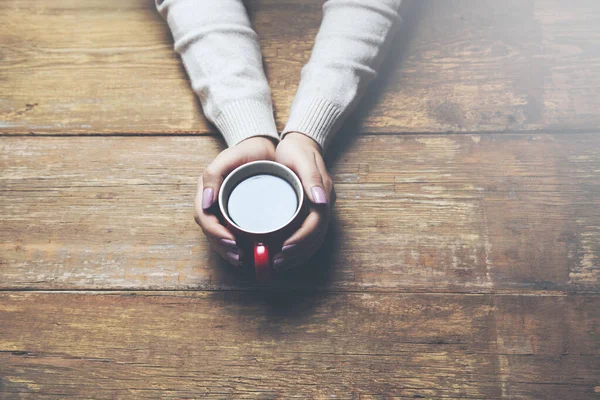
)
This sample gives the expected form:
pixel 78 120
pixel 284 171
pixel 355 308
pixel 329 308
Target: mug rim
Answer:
pixel 276 164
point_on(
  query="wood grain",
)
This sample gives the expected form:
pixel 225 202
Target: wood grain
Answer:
pixel 269 345
pixel 457 266
pixel 434 213
pixel 107 66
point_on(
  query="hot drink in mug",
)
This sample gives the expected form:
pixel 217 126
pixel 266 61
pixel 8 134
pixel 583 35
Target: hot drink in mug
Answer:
pixel 262 204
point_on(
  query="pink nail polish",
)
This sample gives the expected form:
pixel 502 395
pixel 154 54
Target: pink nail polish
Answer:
pixel 277 262
pixel 318 195
pixel 228 242
pixel 288 247
pixel 235 257
pixel 207 198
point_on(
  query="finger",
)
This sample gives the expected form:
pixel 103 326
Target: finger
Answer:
pixel 300 249
pixel 209 222
pixel 305 167
pixel 212 227
pixel 320 163
pixel 220 238
pixel 310 227
pixel 292 259
pixel 216 172
pixel 327 180
pixel 228 251
pixel 293 255
pixel 314 240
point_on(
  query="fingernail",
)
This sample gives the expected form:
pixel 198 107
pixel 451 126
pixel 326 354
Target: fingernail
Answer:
pixel 288 247
pixel 318 195
pixel 228 242
pixel 207 198
pixel 277 262
pixel 232 256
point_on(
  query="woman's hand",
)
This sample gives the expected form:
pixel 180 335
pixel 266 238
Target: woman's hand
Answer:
pixel 221 239
pixel 303 156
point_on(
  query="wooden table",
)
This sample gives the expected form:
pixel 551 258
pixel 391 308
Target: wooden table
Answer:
pixel 463 259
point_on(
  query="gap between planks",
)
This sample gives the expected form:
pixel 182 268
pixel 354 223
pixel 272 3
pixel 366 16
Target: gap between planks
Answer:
pixel 552 131
pixel 285 289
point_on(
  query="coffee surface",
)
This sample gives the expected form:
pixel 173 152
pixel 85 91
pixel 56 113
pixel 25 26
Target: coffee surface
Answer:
pixel 262 203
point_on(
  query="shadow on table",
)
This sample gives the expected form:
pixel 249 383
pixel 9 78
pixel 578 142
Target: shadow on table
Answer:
pixel 293 294
pixel 412 14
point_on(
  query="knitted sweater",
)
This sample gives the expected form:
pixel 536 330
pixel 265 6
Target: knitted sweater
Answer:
pixel 221 55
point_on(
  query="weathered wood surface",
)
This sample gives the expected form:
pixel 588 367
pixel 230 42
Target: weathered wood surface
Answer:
pixel 260 345
pixel 106 66
pixel 435 213
pixel 458 266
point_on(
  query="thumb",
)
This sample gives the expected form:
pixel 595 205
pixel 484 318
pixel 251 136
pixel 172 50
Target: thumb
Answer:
pixel 209 183
pixel 310 175
pixel 215 173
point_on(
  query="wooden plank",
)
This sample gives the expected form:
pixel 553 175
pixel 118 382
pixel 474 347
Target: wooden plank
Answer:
pixel 106 66
pixel 275 345
pixel 441 213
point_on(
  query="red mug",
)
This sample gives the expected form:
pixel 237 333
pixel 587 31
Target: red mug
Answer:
pixel 262 244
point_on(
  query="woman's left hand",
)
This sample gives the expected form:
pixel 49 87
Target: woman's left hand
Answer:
pixel 221 239
pixel 303 156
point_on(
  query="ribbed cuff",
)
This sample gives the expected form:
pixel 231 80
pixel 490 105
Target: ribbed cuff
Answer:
pixel 314 117
pixel 243 119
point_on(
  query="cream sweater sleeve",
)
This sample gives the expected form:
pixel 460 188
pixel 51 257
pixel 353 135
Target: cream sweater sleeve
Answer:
pixel 221 55
pixel 345 58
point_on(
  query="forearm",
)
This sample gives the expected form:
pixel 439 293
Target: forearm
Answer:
pixel 347 53
pixel 221 55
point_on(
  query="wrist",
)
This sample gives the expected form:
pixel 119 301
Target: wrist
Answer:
pixel 303 140
pixel 267 142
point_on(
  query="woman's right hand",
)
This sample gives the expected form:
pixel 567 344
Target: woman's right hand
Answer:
pixel 221 239
pixel 303 156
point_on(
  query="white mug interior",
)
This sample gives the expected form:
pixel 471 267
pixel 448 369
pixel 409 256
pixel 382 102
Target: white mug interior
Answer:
pixel 255 168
